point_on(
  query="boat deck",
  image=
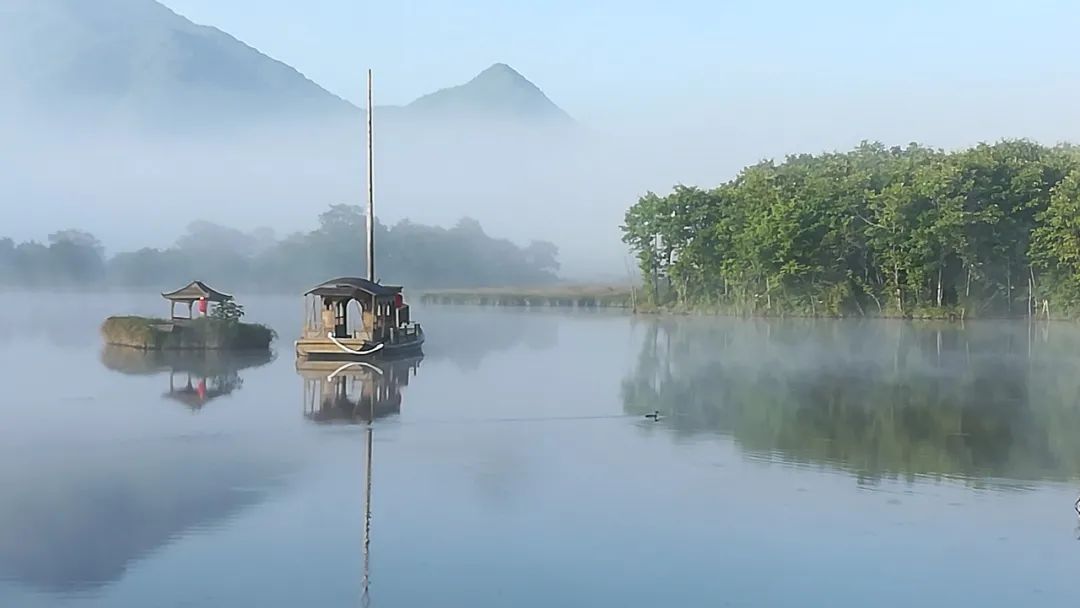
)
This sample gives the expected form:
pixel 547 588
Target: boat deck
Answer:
pixel 325 349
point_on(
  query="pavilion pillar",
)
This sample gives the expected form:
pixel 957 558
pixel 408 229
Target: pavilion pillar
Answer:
pixel 172 309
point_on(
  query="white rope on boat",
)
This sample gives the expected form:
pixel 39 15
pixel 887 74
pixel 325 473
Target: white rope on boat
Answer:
pixel 373 349
pixel 352 364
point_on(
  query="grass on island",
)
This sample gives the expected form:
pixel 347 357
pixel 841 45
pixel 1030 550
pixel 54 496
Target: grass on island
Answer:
pixel 198 334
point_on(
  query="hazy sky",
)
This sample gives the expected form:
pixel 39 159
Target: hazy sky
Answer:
pixel 680 92
pixel 609 62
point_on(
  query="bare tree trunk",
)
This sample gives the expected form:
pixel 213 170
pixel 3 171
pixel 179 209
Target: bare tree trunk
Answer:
pixel 1008 285
pixel 967 290
pixel 1027 304
pixel 939 290
pixel 656 268
pixel 1032 290
pixel 876 301
pixel 768 294
pixel 896 281
pixel 669 271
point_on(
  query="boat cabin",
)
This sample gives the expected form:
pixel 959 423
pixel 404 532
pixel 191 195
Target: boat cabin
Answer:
pixel 357 309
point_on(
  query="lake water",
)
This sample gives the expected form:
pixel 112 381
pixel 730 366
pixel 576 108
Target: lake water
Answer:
pixel 796 463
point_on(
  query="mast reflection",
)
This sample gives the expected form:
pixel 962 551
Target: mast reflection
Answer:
pixel 358 392
pixel 366 579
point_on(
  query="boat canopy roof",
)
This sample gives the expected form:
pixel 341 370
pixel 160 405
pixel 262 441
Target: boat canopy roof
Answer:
pixel 195 290
pixel 346 287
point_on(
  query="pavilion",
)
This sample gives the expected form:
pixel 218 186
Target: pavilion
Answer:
pixel 191 293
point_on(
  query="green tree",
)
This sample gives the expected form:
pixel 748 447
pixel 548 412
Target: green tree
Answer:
pixel 1055 246
pixel 902 230
pixel 228 311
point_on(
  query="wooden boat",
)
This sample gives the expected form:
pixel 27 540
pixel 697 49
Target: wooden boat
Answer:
pixel 380 326
pixel 352 318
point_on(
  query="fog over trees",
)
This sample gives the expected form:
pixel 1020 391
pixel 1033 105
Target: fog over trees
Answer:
pixel 407 253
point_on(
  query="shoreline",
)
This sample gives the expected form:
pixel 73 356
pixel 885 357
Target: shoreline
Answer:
pixel 562 296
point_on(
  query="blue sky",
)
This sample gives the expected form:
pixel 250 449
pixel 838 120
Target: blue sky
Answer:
pixel 611 62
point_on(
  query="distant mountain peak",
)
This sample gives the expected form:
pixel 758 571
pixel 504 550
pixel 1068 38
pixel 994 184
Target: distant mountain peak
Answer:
pixel 498 92
pixel 139 62
pixel 500 70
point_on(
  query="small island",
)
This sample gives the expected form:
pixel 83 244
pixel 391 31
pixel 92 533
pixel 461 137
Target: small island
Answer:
pixel 216 325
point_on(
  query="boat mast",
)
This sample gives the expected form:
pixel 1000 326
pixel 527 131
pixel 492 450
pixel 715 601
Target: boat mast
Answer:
pixel 370 186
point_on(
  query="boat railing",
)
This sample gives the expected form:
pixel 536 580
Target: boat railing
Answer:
pixel 406 332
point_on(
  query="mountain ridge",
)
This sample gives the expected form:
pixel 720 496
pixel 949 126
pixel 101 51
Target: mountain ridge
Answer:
pixel 140 58
pixel 499 91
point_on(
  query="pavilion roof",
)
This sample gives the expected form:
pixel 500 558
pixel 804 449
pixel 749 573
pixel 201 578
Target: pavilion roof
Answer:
pixel 195 290
pixel 191 398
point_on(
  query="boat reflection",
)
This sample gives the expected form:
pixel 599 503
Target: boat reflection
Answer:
pixel 195 377
pixel 356 392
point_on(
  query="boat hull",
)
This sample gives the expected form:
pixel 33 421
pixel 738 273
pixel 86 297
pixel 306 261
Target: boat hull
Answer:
pixel 324 349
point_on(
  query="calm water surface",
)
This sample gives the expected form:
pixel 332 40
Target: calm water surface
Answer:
pixel 796 464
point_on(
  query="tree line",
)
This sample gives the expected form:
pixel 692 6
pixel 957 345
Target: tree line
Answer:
pixel 406 253
pixel 892 231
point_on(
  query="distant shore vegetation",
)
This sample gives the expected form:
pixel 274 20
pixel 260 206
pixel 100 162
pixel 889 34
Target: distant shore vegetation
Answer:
pixel 407 253
pixel 993 230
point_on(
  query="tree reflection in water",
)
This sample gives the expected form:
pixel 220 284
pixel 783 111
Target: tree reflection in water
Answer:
pixel 195 377
pixel 985 401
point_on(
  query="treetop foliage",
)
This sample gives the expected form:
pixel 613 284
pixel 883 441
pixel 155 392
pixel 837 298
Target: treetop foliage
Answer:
pixel 992 230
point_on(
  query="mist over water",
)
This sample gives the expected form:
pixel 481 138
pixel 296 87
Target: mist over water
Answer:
pixel 912 463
